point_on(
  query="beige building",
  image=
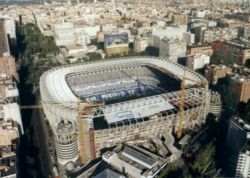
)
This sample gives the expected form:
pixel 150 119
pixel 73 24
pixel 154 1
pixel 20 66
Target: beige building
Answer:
pixel 180 19
pixel 199 49
pixel 240 86
pixel 8 147
pixel 215 72
pixel 8 66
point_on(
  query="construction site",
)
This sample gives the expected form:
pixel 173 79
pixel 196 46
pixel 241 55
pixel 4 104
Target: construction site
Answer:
pixel 98 105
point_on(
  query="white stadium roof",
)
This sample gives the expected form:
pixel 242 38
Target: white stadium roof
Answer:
pixel 55 89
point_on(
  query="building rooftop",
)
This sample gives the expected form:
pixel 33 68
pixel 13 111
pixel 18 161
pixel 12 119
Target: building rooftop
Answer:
pixel 141 109
pixel 241 78
pixel 73 47
pixel 64 127
pixel 240 43
pixel 240 122
pixel 8 144
pixel 136 161
pixel 7 136
pixel 108 173
pixel 138 157
pixel 218 67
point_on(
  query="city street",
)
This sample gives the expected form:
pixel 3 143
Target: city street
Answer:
pixel 41 139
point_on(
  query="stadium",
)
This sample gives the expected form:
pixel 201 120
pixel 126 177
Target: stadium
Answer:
pixel 116 101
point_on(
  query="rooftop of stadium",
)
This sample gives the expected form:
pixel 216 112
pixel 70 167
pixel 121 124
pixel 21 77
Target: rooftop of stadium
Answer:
pixel 114 80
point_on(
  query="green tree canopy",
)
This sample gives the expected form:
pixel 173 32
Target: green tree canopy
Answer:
pixel 37 43
pixel 203 158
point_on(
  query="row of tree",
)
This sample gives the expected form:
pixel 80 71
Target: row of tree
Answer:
pixel 36 43
pixel 34 48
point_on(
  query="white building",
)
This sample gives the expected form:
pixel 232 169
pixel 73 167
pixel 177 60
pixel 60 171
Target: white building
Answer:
pixel 64 34
pixel 237 145
pixel 92 30
pixel 197 61
pixel 175 32
pixel 210 35
pixel 199 14
pixel 189 38
pixel 82 38
pixel 247 31
pixel 243 165
pixel 173 49
pixel 10 29
pixel 140 44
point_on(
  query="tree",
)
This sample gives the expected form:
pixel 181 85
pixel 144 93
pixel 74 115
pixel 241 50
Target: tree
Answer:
pixel 171 171
pixel 223 58
pixel 94 56
pixel 203 158
pixel 37 43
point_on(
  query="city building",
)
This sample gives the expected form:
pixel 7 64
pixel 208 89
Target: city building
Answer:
pixel 173 49
pixel 8 148
pixel 215 72
pixel 64 34
pixel 197 61
pixel 243 164
pixel 135 161
pixel 4 42
pixel 189 38
pixel 180 19
pixel 237 138
pixel 210 35
pixel 108 173
pixel 140 44
pixel 8 65
pixel 10 30
pixel 216 104
pixel 116 44
pixel 101 119
pixel 235 50
pixel 199 49
pixel 9 94
pixel 240 87
pixel 247 32
pixel 82 38
pixel 198 13
pixel 9 98
pixel 72 53
pixel 202 23
pixel 170 32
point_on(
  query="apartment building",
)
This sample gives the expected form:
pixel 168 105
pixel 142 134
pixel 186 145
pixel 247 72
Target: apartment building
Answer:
pixel 240 87
pixel 197 61
pixel 4 42
pixel 237 139
pixel 238 51
pixel 215 72
pixel 173 48
pixel 8 147
pixel 199 49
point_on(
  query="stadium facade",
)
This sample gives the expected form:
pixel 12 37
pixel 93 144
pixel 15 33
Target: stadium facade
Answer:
pixel 122 100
